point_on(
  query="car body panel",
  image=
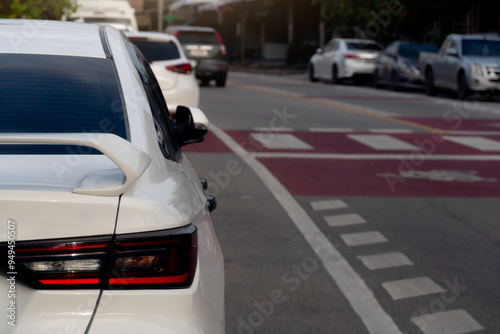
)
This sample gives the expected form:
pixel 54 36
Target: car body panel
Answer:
pixel 167 195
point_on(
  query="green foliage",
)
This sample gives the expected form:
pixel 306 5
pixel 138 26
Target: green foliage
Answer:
pixel 37 9
pixel 376 19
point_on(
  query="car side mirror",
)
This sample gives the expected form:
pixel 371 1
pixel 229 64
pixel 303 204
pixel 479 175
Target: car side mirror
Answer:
pixel 190 124
pixel 452 53
pixel 319 50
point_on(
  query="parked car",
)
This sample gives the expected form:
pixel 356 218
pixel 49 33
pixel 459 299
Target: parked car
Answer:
pixel 343 59
pixel 171 67
pixel 397 65
pixel 105 225
pixel 466 64
pixel 205 47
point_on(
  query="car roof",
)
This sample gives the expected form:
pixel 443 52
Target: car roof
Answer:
pixel 486 36
pixel 191 28
pixel 50 38
pixel 151 35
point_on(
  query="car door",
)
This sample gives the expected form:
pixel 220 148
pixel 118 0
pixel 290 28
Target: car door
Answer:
pixel 322 63
pixel 451 63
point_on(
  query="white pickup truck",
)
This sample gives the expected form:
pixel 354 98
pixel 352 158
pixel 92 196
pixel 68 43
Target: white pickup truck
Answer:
pixel 466 64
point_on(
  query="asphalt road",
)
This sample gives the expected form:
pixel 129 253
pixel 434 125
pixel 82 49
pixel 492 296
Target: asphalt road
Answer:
pixel 345 209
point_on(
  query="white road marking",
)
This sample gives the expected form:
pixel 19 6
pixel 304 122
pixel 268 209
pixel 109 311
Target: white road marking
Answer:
pixel 399 157
pixel 355 290
pixel 412 287
pixel 344 220
pixel 391 131
pixel 332 130
pixel 478 143
pixel 386 260
pixel 280 141
pixel 274 129
pixel 363 238
pixel 384 143
pixel 328 205
pixel 449 322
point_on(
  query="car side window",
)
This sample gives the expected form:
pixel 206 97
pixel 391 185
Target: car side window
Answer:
pixel 161 117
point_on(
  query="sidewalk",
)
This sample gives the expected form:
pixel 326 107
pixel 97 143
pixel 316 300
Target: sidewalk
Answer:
pixel 268 67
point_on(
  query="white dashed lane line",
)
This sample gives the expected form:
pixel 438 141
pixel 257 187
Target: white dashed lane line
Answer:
pixel 385 260
pixel 363 238
pixel 450 322
pixel 478 143
pixel 384 143
pixel 413 287
pixel 344 220
pixel 280 141
pixel 328 205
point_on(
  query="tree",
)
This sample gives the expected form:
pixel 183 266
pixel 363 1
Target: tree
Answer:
pixel 37 9
pixel 375 19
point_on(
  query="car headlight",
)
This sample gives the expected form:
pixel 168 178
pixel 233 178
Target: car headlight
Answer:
pixel 407 68
pixel 476 69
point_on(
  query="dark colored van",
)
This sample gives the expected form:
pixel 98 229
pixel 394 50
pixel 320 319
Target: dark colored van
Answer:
pixel 205 47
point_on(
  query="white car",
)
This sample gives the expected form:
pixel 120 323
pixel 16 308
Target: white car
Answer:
pixel 343 59
pixel 105 227
pixel 171 67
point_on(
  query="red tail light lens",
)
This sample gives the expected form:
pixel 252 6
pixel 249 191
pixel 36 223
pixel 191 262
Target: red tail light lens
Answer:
pixel 181 68
pixel 160 259
pixel 351 56
pixel 223 49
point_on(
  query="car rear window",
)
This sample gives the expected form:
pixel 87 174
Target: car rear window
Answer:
pixel 58 94
pixel 363 46
pixel 157 50
pixel 197 37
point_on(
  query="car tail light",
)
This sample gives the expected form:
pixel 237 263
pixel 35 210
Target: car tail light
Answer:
pixel 351 56
pixel 223 49
pixel 160 259
pixel 181 68
pixel 176 34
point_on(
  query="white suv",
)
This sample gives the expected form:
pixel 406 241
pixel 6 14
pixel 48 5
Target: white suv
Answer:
pixel 104 224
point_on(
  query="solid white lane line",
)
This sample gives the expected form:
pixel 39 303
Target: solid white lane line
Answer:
pixel 363 238
pixel 335 156
pixel 344 220
pixel 478 143
pixel 332 130
pixel 274 129
pixel 391 131
pixel 328 205
pixel 449 322
pixel 412 287
pixel 355 290
pixel 280 141
pixel 383 143
pixel 386 260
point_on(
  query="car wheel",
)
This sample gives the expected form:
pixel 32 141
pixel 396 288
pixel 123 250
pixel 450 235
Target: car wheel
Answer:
pixel 205 82
pixel 376 80
pixel 394 81
pixel 312 78
pixel 430 89
pixel 335 76
pixel 221 82
pixel 463 90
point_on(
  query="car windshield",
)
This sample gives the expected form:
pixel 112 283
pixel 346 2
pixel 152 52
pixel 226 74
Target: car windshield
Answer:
pixel 157 50
pixel 197 37
pixel 478 47
pixel 412 51
pixel 363 46
pixel 58 94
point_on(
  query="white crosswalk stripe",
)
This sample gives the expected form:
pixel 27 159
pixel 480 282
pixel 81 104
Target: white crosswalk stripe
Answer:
pixel 478 143
pixel 449 322
pixel 328 205
pixel 363 238
pixel 386 260
pixel 384 143
pixel 281 141
pixel 344 220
